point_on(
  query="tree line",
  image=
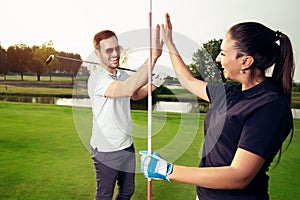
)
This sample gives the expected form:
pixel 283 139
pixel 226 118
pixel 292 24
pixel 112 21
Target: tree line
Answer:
pixel 22 59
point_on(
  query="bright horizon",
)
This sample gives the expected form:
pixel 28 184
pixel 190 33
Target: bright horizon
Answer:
pixel 71 24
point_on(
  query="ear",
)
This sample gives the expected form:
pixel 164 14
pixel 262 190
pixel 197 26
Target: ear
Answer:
pixel 97 53
pixel 247 61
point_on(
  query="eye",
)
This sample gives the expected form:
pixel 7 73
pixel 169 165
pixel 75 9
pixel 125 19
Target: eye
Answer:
pixel 109 50
pixel 222 54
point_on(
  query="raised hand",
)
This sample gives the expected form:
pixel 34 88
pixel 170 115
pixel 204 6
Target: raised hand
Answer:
pixel 166 30
pixel 158 44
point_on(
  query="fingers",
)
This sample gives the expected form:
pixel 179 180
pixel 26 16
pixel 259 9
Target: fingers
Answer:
pixel 157 31
pixel 168 23
pixel 159 42
pixel 166 30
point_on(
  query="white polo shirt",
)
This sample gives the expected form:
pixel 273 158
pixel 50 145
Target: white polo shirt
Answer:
pixel 112 125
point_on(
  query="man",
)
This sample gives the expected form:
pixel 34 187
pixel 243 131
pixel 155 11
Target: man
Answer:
pixel 110 90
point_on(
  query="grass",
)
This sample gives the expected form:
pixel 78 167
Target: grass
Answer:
pixel 41 156
pixel 44 154
pixel 19 90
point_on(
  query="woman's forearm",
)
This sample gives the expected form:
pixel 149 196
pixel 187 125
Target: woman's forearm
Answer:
pixel 212 177
pixel 185 77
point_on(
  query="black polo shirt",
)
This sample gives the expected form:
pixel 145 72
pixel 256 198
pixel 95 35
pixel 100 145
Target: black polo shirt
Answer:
pixel 257 120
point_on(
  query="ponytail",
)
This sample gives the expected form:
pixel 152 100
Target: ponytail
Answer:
pixel 284 65
pixel 283 74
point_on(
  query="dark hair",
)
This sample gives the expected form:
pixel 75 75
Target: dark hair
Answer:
pixel 102 35
pixel 267 47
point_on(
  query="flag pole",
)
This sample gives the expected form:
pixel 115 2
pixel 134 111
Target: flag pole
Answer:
pixel 149 183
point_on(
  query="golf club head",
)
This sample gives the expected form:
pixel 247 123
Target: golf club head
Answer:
pixel 49 59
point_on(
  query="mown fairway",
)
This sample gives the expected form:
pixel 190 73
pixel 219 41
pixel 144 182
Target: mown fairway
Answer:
pixel 44 154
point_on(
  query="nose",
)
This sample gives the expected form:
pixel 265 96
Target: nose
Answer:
pixel 218 58
pixel 115 52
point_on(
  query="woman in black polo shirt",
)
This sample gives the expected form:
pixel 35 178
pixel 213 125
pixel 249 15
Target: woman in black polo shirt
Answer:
pixel 246 124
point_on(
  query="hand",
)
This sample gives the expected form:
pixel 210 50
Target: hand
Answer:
pixel 157 50
pixel 159 79
pixel 154 166
pixel 167 30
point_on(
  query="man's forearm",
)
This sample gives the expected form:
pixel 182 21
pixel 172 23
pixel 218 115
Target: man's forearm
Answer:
pixel 140 78
pixel 142 92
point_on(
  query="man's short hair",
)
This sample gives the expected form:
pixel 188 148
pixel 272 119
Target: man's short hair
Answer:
pixel 102 35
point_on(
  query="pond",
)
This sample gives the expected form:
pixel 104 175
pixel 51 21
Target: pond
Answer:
pixel 181 107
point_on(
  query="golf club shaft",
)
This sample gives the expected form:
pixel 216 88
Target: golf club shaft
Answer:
pixel 85 61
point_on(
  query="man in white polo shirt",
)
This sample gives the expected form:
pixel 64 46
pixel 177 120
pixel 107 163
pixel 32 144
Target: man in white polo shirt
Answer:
pixel 110 90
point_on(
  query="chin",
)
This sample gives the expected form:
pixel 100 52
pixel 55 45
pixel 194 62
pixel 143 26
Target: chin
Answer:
pixel 114 66
pixel 225 75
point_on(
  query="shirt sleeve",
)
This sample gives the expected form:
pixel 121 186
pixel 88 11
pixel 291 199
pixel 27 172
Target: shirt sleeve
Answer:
pixel 215 91
pixel 102 85
pixel 98 83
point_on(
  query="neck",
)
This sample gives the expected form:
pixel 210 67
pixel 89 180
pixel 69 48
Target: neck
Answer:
pixel 253 78
pixel 112 70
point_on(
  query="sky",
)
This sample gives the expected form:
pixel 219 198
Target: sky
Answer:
pixel 71 24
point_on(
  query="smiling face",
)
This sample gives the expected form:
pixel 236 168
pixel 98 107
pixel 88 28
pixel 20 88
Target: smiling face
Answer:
pixel 231 63
pixel 109 53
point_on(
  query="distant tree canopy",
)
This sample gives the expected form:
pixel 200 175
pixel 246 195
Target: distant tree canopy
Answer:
pixel 22 59
pixel 3 63
pixel 204 66
pixel 19 58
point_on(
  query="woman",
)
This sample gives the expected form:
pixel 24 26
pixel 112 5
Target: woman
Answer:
pixel 246 124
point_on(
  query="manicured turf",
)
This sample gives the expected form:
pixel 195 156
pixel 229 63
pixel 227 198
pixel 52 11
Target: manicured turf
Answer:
pixel 19 90
pixel 44 153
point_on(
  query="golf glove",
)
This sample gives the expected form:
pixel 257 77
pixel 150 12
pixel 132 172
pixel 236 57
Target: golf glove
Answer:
pixel 159 78
pixel 154 166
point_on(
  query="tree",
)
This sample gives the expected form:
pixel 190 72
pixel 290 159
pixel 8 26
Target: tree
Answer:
pixel 195 71
pixel 4 69
pixel 19 58
pixel 204 65
pixel 40 54
pixel 213 47
pixel 70 66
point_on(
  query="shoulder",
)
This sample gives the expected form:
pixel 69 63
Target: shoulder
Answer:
pixel 99 78
pixel 123 75
pixel 97 72
pixel 220 90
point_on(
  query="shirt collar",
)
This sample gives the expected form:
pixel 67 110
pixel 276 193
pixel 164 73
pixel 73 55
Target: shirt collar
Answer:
pixel 114 76
pixel 260 88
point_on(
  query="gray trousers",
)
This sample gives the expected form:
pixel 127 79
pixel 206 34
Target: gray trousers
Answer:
pixel 113 168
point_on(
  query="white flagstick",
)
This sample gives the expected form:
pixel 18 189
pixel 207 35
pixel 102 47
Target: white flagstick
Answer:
pixel 150 95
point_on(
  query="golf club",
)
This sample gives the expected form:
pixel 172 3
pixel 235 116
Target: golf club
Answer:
pixel 51 57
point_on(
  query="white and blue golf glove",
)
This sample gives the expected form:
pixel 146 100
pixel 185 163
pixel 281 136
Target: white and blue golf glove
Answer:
pixel 159 79
pixel 154 166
